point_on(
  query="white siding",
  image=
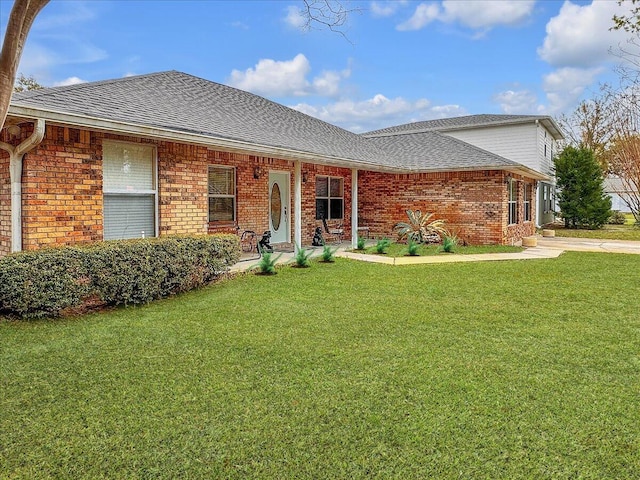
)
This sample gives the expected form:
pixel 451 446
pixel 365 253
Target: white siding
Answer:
pixel 521 143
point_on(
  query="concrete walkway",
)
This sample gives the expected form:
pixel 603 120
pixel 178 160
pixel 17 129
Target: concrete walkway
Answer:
pixel 526 254
pixel 589 245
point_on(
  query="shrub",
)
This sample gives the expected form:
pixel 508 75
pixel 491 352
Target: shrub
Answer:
pixel 382 245
pixel 41 283
pixel 449 243
pixel 138 271
pixel 45 282
pixel 420 228
pixel 617 218
pixel 328 255
pixel 412 248
pixel 302 257
pixel 267 264
pixel 361 243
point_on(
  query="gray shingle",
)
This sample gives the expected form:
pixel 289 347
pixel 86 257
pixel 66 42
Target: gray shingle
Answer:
pixel 435 151
pixel 457 123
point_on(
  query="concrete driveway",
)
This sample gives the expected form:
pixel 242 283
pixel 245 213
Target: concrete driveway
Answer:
pixel 589 245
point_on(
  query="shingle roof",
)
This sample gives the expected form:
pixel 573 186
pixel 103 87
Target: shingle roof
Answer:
pixel 469 121
pixel 435 151
pixel 177 102
pixel 181 102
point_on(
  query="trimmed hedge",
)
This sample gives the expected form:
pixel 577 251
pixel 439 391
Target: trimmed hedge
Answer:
pixel 42 283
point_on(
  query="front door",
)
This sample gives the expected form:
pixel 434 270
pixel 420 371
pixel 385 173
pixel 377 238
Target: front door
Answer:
pixel 279 206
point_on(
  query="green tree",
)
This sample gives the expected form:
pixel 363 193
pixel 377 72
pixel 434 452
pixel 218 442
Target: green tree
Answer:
pixel 26 83
pixel 582 200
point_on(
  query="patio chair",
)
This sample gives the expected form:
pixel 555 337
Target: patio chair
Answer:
pixel 336 232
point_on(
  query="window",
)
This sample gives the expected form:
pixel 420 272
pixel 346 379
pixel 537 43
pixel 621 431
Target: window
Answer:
pixel 527 202
pixel 547 198
pixel 513 201
pixel 329 198
pixel 129 190
pixel 222 194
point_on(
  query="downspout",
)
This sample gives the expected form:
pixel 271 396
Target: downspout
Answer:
pixel 16 155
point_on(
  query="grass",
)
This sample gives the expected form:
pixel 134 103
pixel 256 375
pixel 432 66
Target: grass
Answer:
pixel 501 370
pixel 401 249
pixel 608 232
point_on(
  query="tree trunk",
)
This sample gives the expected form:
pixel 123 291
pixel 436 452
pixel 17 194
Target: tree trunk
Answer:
pixel 20 20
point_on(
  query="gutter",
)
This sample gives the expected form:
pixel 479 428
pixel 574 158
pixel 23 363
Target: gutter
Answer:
pixel 16 155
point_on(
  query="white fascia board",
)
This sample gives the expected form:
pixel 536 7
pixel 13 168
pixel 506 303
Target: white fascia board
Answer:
pixel 238 146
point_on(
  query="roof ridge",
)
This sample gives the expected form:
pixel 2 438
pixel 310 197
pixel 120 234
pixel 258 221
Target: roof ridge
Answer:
pixel 78 86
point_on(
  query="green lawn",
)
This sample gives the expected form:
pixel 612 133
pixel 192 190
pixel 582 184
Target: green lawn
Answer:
pixel 611 232
pixel 496 370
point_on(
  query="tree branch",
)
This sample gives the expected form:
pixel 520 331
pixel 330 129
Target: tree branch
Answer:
pixel 22 15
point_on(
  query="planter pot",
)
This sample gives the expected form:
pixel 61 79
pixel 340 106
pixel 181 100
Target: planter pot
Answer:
pixel 548 233
pixel 529 241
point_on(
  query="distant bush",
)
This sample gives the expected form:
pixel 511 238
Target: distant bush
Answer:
pixel 617 218
pixel 44 282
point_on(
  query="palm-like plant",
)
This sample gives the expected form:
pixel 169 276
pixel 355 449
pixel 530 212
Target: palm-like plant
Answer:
pixel 419 227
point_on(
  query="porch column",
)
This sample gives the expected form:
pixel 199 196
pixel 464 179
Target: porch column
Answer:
pixel 297 204
pixel 354 208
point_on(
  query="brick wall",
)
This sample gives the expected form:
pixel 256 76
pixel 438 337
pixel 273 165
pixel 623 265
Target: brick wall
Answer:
pixel 473 204
pixel 63 201
pixel 62 189
pixel 182 188
pixel 253 194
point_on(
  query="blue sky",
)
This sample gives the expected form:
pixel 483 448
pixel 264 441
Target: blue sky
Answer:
pixel 401 61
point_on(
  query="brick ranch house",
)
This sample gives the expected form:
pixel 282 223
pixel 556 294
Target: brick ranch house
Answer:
pixel 170 153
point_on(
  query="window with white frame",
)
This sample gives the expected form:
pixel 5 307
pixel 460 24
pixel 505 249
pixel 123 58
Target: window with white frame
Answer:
pixel 329 198
pixel 527 202
pixel 129 190
pixel 222 194
pixel 513 201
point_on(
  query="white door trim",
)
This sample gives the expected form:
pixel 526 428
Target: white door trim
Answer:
pixel 285 212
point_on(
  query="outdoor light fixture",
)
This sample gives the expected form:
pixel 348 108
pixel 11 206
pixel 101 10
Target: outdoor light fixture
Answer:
pixel 305 177
pixel 256 172
pixel 14 130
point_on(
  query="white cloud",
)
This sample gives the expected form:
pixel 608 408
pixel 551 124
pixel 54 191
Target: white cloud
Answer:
pixel 487 13
pixel 69 81
pixel 240 25
pixel 327 84
pixel 474 14
pixel 565 86
pixel 295 18
pixel 424 14
pixel 377 112
pixel 272 77
pixel 579 35
pixel 517 102
pixel 287 78
pixel 385 9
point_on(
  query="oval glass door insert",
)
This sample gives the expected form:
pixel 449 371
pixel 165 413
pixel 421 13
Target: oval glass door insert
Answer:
pixel 276 206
